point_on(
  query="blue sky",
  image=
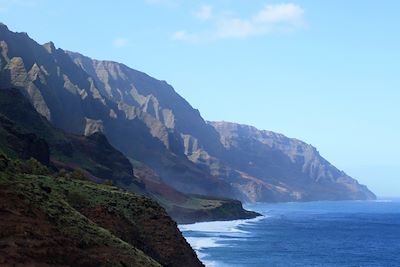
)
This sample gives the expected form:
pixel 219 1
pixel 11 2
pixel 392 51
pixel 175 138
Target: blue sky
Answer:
pixel 326 72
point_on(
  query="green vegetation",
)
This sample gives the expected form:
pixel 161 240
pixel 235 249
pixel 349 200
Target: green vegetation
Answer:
pixel 103 221
pixel 61 199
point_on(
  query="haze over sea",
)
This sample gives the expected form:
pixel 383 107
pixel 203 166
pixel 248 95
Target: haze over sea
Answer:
pixel 347 233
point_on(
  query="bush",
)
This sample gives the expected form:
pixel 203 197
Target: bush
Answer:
pixel 108 182
pixel 61 174
pixel 77 200
pixel 4 162
pixel 31 166
pixel 78 175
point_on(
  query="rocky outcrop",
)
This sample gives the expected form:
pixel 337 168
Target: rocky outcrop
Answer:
pixel 23 145
pixel 27 134
pixel 216 210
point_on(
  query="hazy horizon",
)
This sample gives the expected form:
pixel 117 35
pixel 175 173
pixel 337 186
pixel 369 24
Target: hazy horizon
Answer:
pixel 324 73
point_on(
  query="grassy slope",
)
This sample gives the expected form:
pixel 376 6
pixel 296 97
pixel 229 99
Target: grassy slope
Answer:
pixel 43 193
pixel 125 228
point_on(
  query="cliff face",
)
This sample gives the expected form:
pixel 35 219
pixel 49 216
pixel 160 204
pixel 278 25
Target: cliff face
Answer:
pixel 169 118
pixel 136 91
pixel 26 134
pixel 140 116
pixel 294 168
pixel 274 176
pixel 22 145
pixel 150 123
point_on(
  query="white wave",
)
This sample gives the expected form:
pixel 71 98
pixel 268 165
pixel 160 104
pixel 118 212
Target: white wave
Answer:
pixel 222 227
pixel 214 264
pixel 199 243
pixel 218 234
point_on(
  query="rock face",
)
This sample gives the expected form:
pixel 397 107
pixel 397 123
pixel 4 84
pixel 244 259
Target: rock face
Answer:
pixel 293 168
pixel 23 145
pixel 27 134
pixel 150 123
pixel 216 210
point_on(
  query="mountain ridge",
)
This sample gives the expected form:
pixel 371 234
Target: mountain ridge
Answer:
pixel 266 147
pixel 150 123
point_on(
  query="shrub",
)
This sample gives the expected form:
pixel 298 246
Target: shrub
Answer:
pixel 78 175
pixel 4 162
pixel 77 200
pixel 108 182
pixel 61 174
pixel 35 167
pixel 31 166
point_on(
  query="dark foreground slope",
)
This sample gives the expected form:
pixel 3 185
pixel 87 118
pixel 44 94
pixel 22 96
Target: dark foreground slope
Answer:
pixel 56 220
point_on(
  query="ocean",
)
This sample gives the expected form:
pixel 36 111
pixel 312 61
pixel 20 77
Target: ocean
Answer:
pixel 346 233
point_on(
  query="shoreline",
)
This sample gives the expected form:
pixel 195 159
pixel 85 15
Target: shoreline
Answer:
pixel 220 220
pixel 205 235
pixel 252 214
pixel 216 243
pixel 226 210
pixel 202 235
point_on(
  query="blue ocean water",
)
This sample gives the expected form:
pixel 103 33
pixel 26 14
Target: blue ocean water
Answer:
pixel 349 233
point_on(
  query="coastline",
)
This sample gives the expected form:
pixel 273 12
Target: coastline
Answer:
pixel 284 230
pixel 211 234
pixel 227 210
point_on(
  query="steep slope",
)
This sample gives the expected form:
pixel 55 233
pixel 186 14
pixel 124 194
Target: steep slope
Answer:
pixel 72 100
pixel 92 154
pixel 135 89
pixel 25 134
pixel 295 168
pixel 62 221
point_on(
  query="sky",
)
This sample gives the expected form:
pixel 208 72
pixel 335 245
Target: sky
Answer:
pixel 325 72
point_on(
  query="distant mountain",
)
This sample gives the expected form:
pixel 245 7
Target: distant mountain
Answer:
pixel 155 127
pixel 273 167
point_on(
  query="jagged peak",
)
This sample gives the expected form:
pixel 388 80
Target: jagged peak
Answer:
pixel 4 29
pixel 112 63
pixel 250 128
pixel 3 26
pixel 50 47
